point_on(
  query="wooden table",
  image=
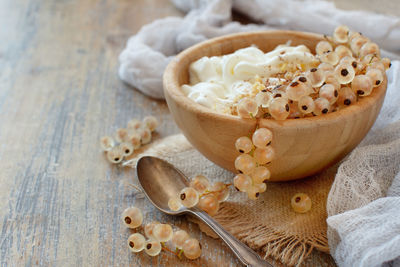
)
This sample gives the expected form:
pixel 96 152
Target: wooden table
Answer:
pixel 60 200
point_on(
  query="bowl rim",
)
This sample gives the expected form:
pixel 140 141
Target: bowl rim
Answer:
pixel 173 88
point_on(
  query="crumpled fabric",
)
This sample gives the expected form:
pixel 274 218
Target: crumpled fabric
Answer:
pixel 364 201
pixel 363 204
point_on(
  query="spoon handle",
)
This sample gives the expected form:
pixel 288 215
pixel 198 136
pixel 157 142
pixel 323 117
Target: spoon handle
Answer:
pixel 246 255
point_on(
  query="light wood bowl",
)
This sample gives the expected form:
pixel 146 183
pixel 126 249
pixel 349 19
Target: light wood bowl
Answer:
pixel 303 146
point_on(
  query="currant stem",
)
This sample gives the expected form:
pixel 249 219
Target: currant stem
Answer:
pixel 128 163
pixel 370 61
pixel 136 187
pixel 218 191
pixel 165 248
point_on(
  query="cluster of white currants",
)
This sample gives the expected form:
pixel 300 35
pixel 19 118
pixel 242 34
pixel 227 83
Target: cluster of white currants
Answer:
pixel 349 66
pixel 158 234
pixel 127 140
pixel 202 193
pixel 253 176
pixel 255 154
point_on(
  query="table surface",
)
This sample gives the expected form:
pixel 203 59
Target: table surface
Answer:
pixel 60 200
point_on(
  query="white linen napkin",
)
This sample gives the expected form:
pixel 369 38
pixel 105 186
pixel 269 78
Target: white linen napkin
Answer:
pixel 364 221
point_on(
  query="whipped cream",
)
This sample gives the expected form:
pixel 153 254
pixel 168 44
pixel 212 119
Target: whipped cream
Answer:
pixel 218 82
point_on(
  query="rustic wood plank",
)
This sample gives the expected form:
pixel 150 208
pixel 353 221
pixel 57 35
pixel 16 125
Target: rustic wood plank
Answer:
pixel 60 201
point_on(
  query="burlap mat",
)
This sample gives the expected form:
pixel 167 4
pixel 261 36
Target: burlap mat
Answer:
pixel 267 225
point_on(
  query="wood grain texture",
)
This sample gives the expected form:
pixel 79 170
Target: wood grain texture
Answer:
pixel 303 147
pixel 60 200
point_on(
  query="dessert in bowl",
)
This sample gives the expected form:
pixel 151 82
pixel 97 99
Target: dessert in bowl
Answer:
pixel 302 146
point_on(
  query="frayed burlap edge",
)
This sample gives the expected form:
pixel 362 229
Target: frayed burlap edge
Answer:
pixel 282 246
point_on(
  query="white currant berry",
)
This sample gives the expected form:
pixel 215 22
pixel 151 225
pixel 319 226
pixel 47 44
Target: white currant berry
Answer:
pixel 253 193
pixel 134 139
pixel 349 60
pixel 243 144
pixel 179 237
pixel 107 143
pixel 377 65
pixel 353 35
pixel 369 48
pixel 260 175
pixel 306 104
pixel 245 163
pixel 136 242
pixel 296 89
pixel 362 85
pixel 322 106
pixel 328 74
pixel 346 97
pixel 323 47
pixel 191 249
pixel 126 148
pixel 386 62
pixel 343 51
pixel 200 183
pixel 134 124
pixel 247 108
pixel 121 135
pixel 332 80
pixel 316 77
pixel 263 99
pixel 220 190
pixel 148 229
pixel 330 57
pixel 150 122
pixel 376 76
pixel 279 93
pixel 329 92
pixel 344 73
pixel 301 203
pixel 145 135
pixel 162 232
pixel 132 217
pixel 262 137
pixel 264 155
pixel 174 203
pixel 152 248
pixel 115 155
pixel 341 34
pixel 326 67
pixel 209 203
pixel 295 112
pixel 261 188
pixel 357 43
pixel 242 182
pixel 189 197
pixel 279 108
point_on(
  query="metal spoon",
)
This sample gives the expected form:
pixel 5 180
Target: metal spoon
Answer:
pixel 160 181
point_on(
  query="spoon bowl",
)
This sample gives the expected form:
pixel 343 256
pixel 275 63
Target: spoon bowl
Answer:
pixel 160 181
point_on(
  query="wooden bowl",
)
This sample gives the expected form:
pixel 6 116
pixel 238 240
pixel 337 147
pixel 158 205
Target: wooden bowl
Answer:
pixel 303 146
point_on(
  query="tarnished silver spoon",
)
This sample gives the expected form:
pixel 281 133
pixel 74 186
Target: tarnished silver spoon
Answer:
pixel 160 181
